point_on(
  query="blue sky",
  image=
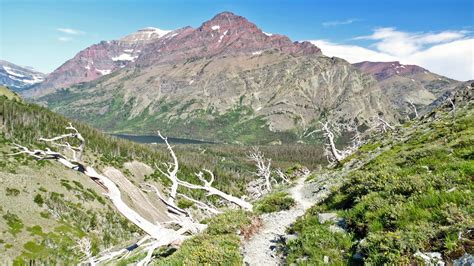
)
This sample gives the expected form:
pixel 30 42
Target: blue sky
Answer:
pixel 44 34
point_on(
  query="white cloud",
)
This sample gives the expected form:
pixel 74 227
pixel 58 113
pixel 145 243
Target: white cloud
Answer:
pixel 70 31
pixel 454 59
pixel 449 53
pixel 399 43
pixel 351 53
pixel 339 22
pixel 64 39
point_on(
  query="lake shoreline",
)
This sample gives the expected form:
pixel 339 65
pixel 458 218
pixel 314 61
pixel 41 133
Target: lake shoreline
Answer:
pixel 155 139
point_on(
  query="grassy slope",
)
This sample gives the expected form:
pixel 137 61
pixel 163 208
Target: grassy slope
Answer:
pixel 4 91
pixel 44 207
pixel 417 195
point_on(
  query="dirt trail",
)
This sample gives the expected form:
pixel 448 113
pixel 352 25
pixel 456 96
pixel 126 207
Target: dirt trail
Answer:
pixel 260 249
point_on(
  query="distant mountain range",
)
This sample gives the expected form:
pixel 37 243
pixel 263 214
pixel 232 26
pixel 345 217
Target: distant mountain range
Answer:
pixel 18 78
pixel 228 80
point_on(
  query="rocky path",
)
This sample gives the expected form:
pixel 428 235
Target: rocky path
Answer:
pixel 260 249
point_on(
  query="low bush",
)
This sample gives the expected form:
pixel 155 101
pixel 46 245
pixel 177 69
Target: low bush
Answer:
pixel 274 202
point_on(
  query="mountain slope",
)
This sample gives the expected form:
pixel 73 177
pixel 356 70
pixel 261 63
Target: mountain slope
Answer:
pixel 46 208
pixel 403 84
pixel 98 60
pixel 227 81
pixel 18 78
pixel 405 194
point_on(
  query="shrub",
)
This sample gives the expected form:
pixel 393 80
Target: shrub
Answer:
pixel 207 249
pixel 39 200
pixel 319 241
pixel 12 192
pixel 227 223
pixel 184 203
pixel 274 202
pixel 219 244
pixel 14 222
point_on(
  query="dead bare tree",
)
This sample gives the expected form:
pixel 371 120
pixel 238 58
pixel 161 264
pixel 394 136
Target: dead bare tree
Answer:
pixel 171 171
pixel 282 175
pixel 263 166
pixel 84 245
pixel 157 234
pixel 207 186
pixel 414 108
pixel 334 155
pixel 383 125
pixel 453 108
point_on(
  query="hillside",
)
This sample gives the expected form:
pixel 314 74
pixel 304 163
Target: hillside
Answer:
pixel 408 85
pixel 10 95
pixel 404 196
pixel 230 76
pixel 46 208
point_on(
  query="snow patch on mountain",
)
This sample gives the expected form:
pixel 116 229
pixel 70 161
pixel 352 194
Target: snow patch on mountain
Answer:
pixel 103 72
pixel 125 57
pixel 145 35
pixel 17 77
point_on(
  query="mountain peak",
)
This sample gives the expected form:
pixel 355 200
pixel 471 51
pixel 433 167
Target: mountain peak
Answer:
pixel 145 35
pixel 227 15
pixel 228 21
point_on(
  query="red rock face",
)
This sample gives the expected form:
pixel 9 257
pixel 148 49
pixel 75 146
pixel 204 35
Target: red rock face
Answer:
pixel 91 63
pixel 224 35
pixel 385 70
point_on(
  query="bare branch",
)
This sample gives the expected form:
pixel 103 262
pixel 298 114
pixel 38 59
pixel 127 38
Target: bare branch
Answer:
pixel 84 245
pixel 263 166
pixel 201 204
pixel 76 151
pixel 171 171
pixel 331 149
pixel 282 175
pixel 214 191
pixel 171 206
pixel 414 108
pixel 454 108
pixel 384 125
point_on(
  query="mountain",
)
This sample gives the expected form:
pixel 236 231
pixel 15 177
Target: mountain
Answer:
pixel 98 60
pixel 403 84
pixel 224 35
pixel 18 78
pixel 227 81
